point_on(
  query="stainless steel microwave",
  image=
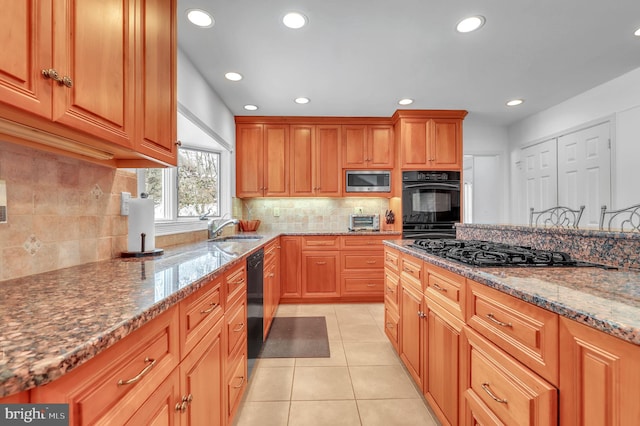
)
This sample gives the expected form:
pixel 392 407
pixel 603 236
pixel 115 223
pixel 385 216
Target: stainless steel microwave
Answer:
pixel 368 181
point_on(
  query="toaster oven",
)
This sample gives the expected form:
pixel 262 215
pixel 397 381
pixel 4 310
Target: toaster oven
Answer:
pixel 364 222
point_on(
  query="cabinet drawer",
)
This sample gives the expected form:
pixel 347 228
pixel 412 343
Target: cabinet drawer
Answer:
pixel 391 326
pixel 362 261
pixel 524 331
pixel 510 391
pixel 363 242
pixel 198 313
pixel 319 242
pixel 270 251
pixel 236 384
pixel 392 259
pixel 411 267
pixel 391 286
pixel 236 282
pixel 446 289
pixel 128 371
pixel 363 285
pixel 236 319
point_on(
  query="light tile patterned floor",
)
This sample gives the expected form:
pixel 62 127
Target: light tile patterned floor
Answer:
pixel 362 383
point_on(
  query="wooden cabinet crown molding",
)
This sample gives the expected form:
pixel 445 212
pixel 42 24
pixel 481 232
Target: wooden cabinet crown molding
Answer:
pixel 244 119
pixel 425 113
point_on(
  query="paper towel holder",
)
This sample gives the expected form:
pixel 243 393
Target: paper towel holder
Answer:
pixel 143 252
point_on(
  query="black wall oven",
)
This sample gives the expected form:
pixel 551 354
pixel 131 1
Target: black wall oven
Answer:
pixel 430 204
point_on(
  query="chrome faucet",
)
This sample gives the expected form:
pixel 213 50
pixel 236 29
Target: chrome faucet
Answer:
pixel 215 229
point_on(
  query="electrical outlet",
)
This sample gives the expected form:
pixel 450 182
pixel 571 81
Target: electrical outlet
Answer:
pixel 358 210
pixel 125 197
pixel 3 201
pixel 276 211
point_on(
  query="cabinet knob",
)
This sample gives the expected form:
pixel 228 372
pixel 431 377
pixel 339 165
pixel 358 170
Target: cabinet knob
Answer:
pixel 178 143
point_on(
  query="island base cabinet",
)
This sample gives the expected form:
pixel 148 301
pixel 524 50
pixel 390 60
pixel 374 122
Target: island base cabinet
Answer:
pixel 160 408
pixel 501 388
pixel 599 377
pixel 412 339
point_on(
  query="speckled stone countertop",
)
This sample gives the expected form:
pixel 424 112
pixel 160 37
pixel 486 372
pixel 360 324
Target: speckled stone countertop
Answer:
pixel 605 299
pixel 56 321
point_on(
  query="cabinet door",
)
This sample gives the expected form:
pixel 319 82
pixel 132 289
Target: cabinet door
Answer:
pixel 290 267
pixel 25 33
pixel 160 408
pixel 276 160
pixel 446 144
pixel 599 377
pixel 354 146
pixel 413 137
pixel 202 381
pixel 156 102
pixel 249 160
pixel 302 171
pixel 327 162
pixel 94 46
pixel 411 332
pixel 442 387
pixel 380 146
pixel 320 274
pixel 268 299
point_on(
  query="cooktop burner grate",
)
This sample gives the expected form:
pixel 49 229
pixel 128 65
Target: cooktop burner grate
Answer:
pixel 486 253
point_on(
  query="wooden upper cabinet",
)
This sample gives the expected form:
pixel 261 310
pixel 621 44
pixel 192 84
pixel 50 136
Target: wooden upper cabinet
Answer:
pixel 367 146
pixel 262 152
pixel 97 54
pixel 25 32
pixel 429 140
pixel 315 160
pixel 156 79
pixel 91 78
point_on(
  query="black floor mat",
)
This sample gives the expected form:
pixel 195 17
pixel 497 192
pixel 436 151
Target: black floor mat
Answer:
pixel 297 337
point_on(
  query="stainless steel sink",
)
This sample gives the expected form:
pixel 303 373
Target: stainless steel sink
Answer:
pixel 238 238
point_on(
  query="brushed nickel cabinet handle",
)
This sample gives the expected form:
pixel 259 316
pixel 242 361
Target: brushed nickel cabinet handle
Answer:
pixel 437 287
pixel 239 329
pixel 213 305
pixel 496 321
pixel 371 285
pixel 179 143
pixel 321 263
pixel 241 383
pixel 53 75
pixel 141 374
pixel 371 262
pixel 421 314
pixel 487 389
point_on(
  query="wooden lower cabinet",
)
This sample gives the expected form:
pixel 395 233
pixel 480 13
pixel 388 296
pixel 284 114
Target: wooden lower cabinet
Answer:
pixel 321 274
pixel 160 407
pixel 500 387
pixel 443 383
pixel 290 267
pixel 412 331
pixel 599 377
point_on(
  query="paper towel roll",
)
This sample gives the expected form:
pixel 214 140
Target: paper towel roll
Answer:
pixel 141 220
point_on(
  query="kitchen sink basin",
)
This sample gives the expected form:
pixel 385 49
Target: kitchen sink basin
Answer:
pixel 238 238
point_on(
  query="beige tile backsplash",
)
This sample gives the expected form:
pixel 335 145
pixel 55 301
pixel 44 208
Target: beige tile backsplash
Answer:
pixel 312 214
pixel 61 211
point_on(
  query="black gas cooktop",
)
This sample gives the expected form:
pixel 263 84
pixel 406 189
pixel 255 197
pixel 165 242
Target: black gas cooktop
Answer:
pixel 485 253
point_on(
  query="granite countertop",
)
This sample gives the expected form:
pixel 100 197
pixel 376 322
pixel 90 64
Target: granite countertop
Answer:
pixel 605 299
pixel 55 321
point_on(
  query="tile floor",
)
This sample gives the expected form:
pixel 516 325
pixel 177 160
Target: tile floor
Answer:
pixel 362 383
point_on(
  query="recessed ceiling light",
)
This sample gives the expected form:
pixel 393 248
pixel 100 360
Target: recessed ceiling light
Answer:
pixel 250 107
pixel 637 33
pixel 469 24
pixel 294 20
pixel 302 100
pixel 200 18
pixel 515 102
pixel 405 101
pixel 233 76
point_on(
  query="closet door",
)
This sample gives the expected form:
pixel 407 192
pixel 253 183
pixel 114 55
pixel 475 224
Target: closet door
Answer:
pixel 541 175
pixel 584 171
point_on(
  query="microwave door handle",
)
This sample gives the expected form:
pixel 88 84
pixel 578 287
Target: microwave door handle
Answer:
pixel 433 186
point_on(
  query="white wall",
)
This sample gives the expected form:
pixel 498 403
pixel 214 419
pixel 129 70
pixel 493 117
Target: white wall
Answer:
pixel 489 145
pixel 618 99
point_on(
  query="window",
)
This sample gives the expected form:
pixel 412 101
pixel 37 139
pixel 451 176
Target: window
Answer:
pixel 189 191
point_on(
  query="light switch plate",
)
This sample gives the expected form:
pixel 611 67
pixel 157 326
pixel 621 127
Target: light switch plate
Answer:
pixel 124 203
pixel 3 201
pixel 276 211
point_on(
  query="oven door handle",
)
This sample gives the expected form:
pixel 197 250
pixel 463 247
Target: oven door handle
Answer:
pixel 433 185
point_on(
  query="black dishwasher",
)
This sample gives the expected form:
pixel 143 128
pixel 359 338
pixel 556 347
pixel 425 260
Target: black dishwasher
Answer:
pixel 255 307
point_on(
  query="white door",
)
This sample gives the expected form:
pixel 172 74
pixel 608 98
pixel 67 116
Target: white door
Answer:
pixel 584 171
pixel 487 194
pixel 541 175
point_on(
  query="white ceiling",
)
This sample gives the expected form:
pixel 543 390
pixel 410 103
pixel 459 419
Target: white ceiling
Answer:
pixel 359 57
